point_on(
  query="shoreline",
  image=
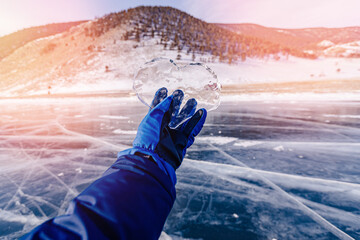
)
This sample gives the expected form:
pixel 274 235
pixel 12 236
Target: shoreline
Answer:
pixel 319 88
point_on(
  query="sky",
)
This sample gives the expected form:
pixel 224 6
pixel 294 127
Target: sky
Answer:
pixel 19 14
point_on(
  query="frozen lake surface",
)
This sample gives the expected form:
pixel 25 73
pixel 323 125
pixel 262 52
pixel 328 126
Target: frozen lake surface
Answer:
pixel 259 170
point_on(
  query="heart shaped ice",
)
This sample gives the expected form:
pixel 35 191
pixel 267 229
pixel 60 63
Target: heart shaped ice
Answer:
pixel 196 80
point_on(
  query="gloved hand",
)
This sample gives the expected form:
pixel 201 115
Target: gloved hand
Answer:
pixel 156 138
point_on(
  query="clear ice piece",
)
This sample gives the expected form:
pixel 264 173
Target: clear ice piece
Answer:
pixel 196 80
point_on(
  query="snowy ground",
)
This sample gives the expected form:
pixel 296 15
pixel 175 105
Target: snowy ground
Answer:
pixel 291 70
pixel 261 169
pixel 112 66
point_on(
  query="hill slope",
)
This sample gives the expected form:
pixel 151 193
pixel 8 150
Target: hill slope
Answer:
pixel 179 30
pixel 104 54
pixel 11 42
pixel 112 47
pixel 300 39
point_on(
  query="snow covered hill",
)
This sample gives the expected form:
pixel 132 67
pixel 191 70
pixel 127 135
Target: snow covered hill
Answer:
pixel 73 62
pixel 11 42
pixel 351 49
pixel 302 39
pixel 102 55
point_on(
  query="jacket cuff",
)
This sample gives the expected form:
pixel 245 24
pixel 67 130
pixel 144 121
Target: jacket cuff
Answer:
pixel 163 165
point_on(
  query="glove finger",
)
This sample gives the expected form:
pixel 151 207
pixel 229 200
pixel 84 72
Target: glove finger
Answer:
pixel 178 96
pixel 153 123
pixel 162 108
pixel 187 111
pixel 160 95
pixel 193 126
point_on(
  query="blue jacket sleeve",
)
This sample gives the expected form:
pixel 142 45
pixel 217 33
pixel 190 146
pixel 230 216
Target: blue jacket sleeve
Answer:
pixel 130 201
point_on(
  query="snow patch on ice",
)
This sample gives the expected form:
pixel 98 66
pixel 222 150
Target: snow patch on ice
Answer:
pixel 217 140
pixel 128 132
pixel 341 116
pixel 279 148
pixel 247 143
pixel 113 117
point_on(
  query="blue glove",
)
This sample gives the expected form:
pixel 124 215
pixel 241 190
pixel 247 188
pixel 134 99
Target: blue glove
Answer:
pixel 161 133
